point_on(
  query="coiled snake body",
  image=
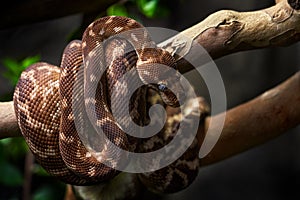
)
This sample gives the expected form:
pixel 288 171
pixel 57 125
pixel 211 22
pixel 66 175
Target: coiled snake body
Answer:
pixel 44 106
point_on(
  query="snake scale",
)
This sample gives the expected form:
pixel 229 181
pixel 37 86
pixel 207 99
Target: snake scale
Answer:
pixel 44 107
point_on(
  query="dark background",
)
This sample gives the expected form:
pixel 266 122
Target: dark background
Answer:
pixel 270 171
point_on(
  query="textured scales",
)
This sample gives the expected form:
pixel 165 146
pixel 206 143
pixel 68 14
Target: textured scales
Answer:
pixel 44 105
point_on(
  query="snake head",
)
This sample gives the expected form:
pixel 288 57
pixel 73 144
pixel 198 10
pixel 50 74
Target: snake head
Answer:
pixel 169 96
pixel 158 68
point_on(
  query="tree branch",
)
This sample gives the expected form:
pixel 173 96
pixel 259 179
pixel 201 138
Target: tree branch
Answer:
pixel 257 121
pixel 228 31
pixel 8 122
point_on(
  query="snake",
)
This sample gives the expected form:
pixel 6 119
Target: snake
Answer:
pixel 44 106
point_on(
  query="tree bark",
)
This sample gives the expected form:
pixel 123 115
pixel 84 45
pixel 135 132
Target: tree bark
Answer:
pixel 257 121
pixel 8 122
pixel 226 31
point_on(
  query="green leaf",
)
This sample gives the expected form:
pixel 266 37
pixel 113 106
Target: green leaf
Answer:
pixel 29 61
pixel 10 64
pixel 17 147
pixel 10 175
pixel 149 7
pixel 117 10
pixel 6 141
pixel 44 193
pixel 39 170
pixel 152 8
pixel 15 68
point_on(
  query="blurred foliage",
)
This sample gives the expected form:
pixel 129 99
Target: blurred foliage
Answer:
pixel 14 68
pixel 153 8
pixel 9 173
pixel 48 192
pixel 135 9
pixel 14 150
pixel 118 10
pixel 12 158
pixel 149 8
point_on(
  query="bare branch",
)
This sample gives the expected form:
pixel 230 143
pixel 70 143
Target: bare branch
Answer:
pixel 8 122
pixel 257 121
pixel 228 31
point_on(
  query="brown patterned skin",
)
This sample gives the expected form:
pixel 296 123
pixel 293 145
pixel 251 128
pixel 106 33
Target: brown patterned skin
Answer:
pixel 44 108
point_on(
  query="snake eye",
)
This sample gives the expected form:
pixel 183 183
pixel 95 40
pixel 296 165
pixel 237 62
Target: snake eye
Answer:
pixel 162 87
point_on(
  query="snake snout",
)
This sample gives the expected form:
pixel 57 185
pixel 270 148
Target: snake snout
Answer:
pixel 172 95
pixel 158 67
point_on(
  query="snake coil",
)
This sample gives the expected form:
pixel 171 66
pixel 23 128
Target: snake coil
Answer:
pixel 44 106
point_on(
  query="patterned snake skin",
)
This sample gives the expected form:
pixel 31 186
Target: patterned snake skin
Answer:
pixel 44 106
